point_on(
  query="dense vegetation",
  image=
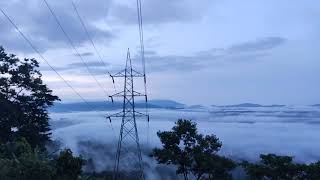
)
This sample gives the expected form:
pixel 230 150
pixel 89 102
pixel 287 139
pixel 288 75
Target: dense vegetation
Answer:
pixel 24 101
pixel 275 167
pixel 19 161
pixel 196 154
pixel 192 152
pixel 24 125
pixel 25 132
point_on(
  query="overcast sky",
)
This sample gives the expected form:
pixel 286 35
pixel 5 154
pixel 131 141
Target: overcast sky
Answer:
pixel 197 52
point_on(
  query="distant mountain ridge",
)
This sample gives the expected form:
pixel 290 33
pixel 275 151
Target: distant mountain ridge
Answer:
pixel 164 104
pixel 251 105
pixel 160 104
pixel 102 106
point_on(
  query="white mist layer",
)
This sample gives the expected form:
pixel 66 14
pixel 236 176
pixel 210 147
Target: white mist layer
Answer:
pixel 245 132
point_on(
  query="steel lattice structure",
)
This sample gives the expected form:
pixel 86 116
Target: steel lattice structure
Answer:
pixel 128 151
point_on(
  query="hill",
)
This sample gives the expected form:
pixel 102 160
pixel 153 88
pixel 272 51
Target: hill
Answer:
pixel 251 105
pixel 103 106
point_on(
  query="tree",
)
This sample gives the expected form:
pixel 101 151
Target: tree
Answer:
pixel 24 126
pixel 274 167
pixel 192 152
pixel 312 171
pixel 19 161
pixel 24 101
pixel 68 166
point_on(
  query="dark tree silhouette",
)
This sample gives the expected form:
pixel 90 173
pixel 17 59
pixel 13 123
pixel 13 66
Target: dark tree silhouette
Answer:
pixel 312 171
pixel 19 161
pixel 68 166
pixel 274 167
pixel 24 100
pixel 192 152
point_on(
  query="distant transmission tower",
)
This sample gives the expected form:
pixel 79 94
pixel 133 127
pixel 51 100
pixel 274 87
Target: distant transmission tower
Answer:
pixel 128 155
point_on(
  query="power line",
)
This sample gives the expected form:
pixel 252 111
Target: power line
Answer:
pixel 141 35
pixel 41 56
pixel 90 38
pixel 73 46
pixel 94 47
pixel 87 33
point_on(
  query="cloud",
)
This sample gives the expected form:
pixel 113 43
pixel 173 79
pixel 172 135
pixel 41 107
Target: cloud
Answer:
pixel 158 11
pixel 36 21
pixel 85 54
pixel 88 134
pixel 258 45
pixel 91 64
pixel 96 68
pixel 243 52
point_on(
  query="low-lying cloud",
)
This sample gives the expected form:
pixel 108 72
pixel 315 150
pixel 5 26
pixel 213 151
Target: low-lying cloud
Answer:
pixel 245 135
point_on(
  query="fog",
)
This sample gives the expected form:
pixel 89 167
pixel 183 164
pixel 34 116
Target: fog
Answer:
pixel 245 133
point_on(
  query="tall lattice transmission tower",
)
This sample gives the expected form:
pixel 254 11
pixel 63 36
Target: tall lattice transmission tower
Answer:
pixel 128 157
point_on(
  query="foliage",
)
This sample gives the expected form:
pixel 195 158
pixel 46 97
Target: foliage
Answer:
pixel 312 171
pixel 275 167
pixel 24 126
pixel 192 152
pixel 24 100
pixel 68 166
pixel 19 161
pixel 109 175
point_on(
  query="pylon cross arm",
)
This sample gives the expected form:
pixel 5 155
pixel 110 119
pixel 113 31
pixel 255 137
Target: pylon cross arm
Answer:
pixel 121 94
pixel 122 73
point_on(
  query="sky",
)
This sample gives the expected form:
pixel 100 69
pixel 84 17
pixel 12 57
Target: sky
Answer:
pixel 197 52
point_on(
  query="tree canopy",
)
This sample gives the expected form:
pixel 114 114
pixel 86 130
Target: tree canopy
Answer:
pixel 68 167
pixel 192 152
pixel 275 167
pixel 19 161
pixel 24 100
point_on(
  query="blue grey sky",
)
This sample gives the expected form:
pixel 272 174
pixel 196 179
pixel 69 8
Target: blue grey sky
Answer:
pixel 197 52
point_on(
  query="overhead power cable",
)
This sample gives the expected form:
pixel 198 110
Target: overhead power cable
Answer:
pixel 141 35
pixel 90 39
pixel 142 51
pixel 88 35
pixel 95 49
pixel 41 56
pixel 73 46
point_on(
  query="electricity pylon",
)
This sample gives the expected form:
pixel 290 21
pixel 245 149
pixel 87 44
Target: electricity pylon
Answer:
pixel 128 155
